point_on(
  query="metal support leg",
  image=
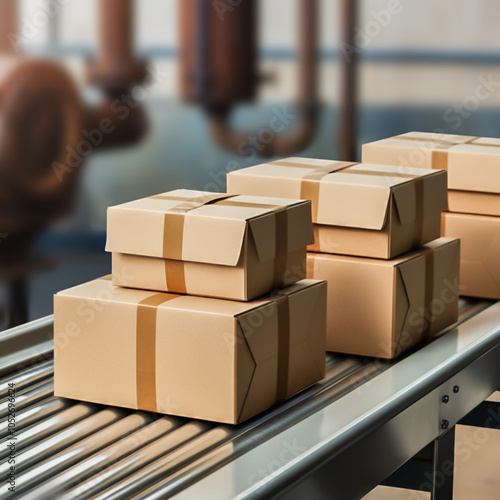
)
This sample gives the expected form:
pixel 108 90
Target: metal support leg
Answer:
pixel 486 415
pixel 443 462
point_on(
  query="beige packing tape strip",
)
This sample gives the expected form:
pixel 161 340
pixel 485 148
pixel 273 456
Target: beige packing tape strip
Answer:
pixel 430 269
pixel 283 311
pixel 146 350
pixel 309 188
pixel 146 347
pixel 439 158
pixel 310 185
pixel 173 234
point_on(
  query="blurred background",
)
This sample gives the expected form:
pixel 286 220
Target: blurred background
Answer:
pixel 104 101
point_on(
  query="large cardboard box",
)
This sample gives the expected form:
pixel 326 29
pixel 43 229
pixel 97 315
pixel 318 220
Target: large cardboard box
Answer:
pixel 480 260
pixel 218 245
pixel 473 165
pixel 381 308
pixel 184 355
pixel 358 209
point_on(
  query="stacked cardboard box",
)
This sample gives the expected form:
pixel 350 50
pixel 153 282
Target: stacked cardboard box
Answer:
pixel 167 332
pixel 383 295
pixel 473 165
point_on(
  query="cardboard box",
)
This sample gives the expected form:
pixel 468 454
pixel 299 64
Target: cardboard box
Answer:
pixel 480 260
pixel 382 308
pixel 473 165
pixel 184 355
pixel 234 247
pixel 358 209
pixel 469 202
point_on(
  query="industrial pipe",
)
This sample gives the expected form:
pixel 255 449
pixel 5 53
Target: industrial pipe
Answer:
pixel 8 24
pixel 117 69
pixel 349 109
pixel 119 120
pixel 218 67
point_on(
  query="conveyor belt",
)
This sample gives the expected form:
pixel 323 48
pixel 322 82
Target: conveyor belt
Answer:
pixel 70 449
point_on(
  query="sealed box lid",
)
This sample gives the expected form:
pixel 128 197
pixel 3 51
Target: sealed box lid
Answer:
pixel 356 195
pixel 204 227
pixel 473 163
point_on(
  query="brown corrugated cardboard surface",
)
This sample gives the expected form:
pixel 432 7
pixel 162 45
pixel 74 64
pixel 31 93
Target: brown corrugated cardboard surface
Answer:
pixel 358 209
pixel 381 308
pixel 183 240
pixel 249 279
pixel 470 202
pixel 473 165
pixel 480 258
pixel 183 355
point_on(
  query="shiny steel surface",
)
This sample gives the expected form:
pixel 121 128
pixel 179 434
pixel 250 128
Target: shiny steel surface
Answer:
pixel 81 450
pixel 336 427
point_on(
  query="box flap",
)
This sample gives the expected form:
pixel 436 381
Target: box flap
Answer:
pixel 264 236
pixel 173 224
pixel 245 371
pixel 342 193
pixel 401 307
pixel 259 328
pixel 217 241
pixel 428 193
pixel 409 322
pixel 413 292
pixel 405 199
pixel 359 196
pixel 352 205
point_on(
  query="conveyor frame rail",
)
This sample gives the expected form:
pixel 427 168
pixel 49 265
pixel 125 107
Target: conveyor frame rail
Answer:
pixel 337 439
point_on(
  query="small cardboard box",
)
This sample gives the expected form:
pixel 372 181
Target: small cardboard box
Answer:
pixel 184 355
pixel 381 308
pixel 480 260
pixel 358 209
pixel 473 165
pixel 218 245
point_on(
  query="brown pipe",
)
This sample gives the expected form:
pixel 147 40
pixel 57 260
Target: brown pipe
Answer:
pixel 112 124
pixel 348 110
pixel 119 120
pixel 116 31
pixel 218 53
pixel 116 69
pixel 278 144
pixel 8 24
